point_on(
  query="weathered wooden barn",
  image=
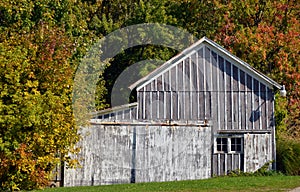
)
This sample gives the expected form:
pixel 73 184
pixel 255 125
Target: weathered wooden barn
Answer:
pixel 202 113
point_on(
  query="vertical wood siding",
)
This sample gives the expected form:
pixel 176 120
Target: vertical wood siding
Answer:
pixel 207 85
pixel 141 153
pixel 258 151
pixel 223 163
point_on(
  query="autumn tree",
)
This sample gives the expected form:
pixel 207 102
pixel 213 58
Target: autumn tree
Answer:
pixel 266 35
pixel 37 128
pixel 43 42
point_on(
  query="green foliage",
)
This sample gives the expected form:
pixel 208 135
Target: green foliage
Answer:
pixel 288 156
pixel 41 43
pixel 36 121
pixel 201 18
pixel 281 115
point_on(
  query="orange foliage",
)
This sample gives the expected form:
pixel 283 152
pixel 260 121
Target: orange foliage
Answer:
pixel 267 36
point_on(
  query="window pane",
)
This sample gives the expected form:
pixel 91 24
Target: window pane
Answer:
pixel 224 141
pixel 233 147
pixel 236 144
pixel 222 144
pixel 232 141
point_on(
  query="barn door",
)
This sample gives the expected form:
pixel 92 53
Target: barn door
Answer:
pixel 258 150
pixel 228 154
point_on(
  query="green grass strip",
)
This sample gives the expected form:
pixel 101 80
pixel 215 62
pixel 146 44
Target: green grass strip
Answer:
pixel 252 183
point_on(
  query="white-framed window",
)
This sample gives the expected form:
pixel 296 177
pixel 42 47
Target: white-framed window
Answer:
pixel 236 144
pixel 228 144
pixel 222 144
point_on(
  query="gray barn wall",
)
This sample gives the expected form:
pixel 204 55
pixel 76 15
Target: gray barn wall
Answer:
pixel 141 153
pixel 206 85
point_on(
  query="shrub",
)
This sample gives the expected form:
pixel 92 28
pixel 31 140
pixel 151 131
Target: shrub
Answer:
pixel 288 156
pixel 263 171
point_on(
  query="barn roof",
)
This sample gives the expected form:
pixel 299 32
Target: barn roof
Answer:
pixel 216 47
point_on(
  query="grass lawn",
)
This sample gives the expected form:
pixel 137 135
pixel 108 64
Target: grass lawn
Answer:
pixel 267 183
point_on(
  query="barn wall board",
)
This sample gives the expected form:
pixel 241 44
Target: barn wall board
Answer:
pixel 133 153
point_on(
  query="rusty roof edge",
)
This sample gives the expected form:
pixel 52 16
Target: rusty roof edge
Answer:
pixel 152 123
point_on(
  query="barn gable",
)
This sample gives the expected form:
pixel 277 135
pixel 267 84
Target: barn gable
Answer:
pixel 206 82
pixel 209 46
